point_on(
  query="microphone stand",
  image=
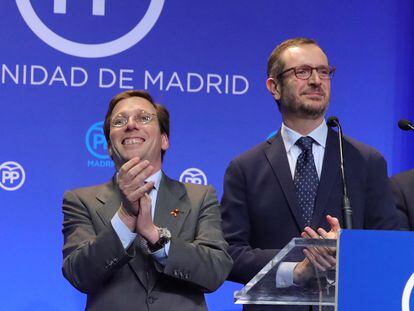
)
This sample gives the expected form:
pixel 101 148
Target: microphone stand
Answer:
pixel 346 204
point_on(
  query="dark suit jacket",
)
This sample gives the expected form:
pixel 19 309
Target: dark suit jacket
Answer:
pixel 402 186
pixel 259 209
pixel 96 263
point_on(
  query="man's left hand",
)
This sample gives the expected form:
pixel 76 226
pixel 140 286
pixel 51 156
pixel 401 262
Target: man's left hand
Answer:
pixel 145 226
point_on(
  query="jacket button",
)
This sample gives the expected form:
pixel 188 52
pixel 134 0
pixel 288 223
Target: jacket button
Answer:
pixel 150 300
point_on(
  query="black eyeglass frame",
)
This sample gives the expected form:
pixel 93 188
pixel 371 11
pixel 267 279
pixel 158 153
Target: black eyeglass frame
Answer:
pixel 331 73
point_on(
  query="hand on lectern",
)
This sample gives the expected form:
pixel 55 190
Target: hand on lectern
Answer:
pixel 318 259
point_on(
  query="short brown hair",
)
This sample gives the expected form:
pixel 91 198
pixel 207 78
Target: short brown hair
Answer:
pixel 275 64
pixel 163 115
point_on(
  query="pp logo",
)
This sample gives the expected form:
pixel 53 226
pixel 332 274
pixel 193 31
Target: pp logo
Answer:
pixel 194 176
pixel 122 43
pixel 95 141
pixel 12 176
pixel 405 302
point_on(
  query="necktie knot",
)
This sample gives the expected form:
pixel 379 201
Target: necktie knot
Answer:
pixel 305 143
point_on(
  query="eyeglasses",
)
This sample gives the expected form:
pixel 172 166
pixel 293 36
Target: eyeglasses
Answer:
pixel 305 72
pixel 142 117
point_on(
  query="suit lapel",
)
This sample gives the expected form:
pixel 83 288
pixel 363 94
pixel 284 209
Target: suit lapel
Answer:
pixel 276 155
pixel 170 212
pixel 329 174
pixel 111 199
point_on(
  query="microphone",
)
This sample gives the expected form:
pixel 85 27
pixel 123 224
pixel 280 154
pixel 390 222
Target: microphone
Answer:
pixel 346 204
pixel 405 125
pixel 333 122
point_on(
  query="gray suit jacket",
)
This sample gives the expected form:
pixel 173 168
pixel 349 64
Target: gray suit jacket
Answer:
pixel 96 263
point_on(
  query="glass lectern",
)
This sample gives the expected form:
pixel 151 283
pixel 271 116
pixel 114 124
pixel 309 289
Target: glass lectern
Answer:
pixel 319 290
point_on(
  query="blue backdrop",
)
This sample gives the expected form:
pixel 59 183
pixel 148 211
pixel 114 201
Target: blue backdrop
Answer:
pixel 385 283
pixel 62 60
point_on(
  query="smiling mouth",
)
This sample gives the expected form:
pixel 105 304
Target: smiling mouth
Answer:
pixel 133 141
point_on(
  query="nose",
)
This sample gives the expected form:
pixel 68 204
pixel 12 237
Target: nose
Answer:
pixel 314 78
pixel 132 123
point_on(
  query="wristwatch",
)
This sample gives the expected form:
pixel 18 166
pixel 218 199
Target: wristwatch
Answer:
pixel 165 237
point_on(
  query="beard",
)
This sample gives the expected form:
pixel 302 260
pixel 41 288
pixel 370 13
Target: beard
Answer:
pixel 306 108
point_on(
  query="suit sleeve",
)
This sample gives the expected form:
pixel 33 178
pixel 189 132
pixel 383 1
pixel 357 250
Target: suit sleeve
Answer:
pixel 400 202
pixel 88 258
pixel 248 261
pixel 380 209
pixel 204 261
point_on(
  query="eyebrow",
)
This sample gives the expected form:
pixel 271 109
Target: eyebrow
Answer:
pixel 125 114
pixel 307 65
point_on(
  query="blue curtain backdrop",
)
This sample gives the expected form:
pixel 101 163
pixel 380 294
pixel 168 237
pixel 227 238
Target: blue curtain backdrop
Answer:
pixel 206 61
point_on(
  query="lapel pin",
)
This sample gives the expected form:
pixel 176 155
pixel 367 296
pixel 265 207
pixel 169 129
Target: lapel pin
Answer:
pixel 175 212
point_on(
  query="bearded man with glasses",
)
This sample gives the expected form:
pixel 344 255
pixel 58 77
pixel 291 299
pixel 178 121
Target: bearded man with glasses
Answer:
pixel 290 185
pixel 142 241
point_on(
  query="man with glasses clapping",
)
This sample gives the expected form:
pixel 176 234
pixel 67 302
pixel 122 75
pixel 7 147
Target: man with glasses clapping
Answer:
pixel 142 241
pixel 290 185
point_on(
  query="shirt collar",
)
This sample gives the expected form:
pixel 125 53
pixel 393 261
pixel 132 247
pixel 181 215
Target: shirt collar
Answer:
pixel 156 178
pixel 290 136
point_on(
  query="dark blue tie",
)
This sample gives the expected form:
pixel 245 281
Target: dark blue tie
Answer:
pixel 306 179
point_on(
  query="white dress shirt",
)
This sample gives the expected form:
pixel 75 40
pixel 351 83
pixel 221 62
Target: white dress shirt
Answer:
pixel 293 151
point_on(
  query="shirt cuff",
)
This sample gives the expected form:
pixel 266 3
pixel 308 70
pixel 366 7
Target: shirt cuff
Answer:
pixel 161 255
pixel 124 234
pixel 284 274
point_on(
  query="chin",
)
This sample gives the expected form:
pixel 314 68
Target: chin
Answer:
pixel 313 111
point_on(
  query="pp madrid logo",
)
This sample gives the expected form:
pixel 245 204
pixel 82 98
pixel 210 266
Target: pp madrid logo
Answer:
pixel 194 176
pixel 12 176
pixel 95 141
pixel 89 50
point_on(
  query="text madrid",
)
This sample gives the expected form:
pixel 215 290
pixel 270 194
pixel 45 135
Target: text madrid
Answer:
pixel 190 82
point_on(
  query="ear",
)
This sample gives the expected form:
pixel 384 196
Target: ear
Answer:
pixel 165 142
pixel 273 86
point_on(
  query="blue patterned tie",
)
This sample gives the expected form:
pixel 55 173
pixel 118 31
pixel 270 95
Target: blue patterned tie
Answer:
pixel 306 179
